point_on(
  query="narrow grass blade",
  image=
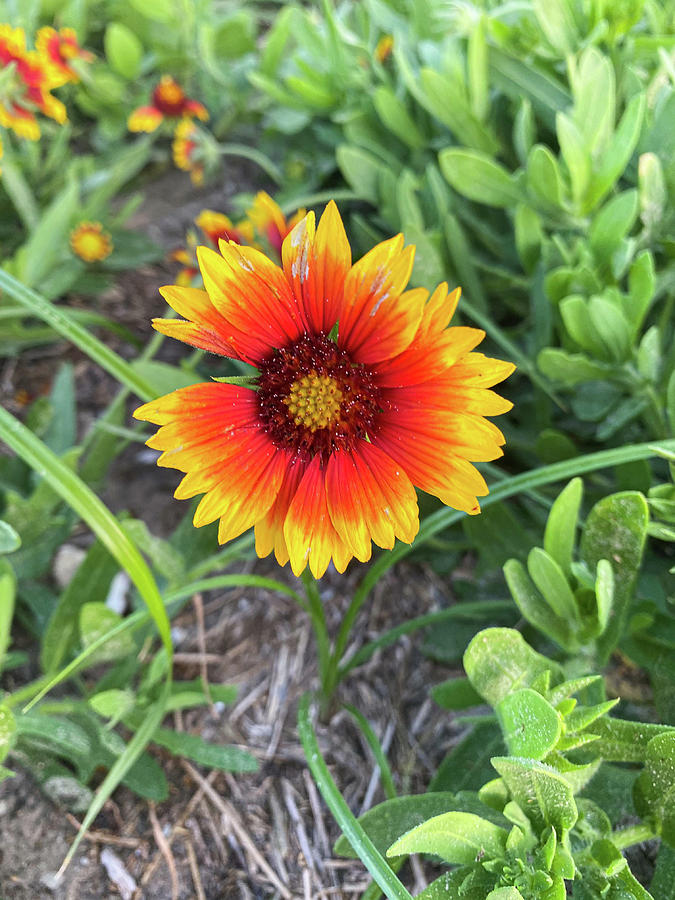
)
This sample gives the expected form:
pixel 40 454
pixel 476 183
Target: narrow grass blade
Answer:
pixel 378 867
pixel 65 325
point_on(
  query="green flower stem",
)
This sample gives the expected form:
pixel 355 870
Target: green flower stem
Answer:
pixel 445 517
pixel 369 854
pixel 318 616
pixel 255 156
pixel 634 834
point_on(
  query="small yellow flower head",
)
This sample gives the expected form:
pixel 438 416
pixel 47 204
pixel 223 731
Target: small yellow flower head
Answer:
pixel 90 242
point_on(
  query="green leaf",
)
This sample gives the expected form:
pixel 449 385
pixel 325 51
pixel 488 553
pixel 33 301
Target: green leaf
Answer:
pixel 561 525
pixel 670 401
pixel 123 50
pixel 556 21
pixel 536 609
pixel 505 893
pixel 530 725
pixel 593 84
pixel 653 191
pixel 498 661
pixel 387 821
pixel 476 176
pixel 456 693
pixel 544 181
pixel 50 237
pixel 477 70
pixel 582 328
pixel 550 579
pixel 432 92
pixel 518 78
pixel 576 156
pixel 9 539
pixel 663 882
pixel 540 790
pixel 157 11
pixel 7 731
pixel 467 765
pixel 457 837
pixel 570 368
pixel 616 530
pixel 616 157
pixel 395 116
pixel 235 35
pixel 655 788
pixel 112 704
pixel 612 224
pixel 214 756
pixel 360 170
pixel 90 583
pixel 96 620
pixel 529 236
pixel 7 598
pixel 604 592
pixel 610 324
pixel 621 740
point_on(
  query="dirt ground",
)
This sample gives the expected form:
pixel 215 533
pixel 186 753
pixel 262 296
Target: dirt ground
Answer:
pixel 258 835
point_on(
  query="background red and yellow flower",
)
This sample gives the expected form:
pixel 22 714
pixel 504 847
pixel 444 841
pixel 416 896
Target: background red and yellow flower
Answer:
pixel 169 101
pixel 324 455
pixel 29 88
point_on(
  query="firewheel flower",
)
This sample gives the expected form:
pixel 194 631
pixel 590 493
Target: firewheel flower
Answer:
pixel 27 88
pixel 90 242
pixel 58 49
pixel 168 102
pixel 186 150
pixel 218 227
pixel 362 393
pixel 270 222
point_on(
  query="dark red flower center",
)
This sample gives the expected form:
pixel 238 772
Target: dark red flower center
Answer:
pixel 169 98
pixel 314 399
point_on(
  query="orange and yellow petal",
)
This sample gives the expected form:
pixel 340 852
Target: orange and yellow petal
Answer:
pixel 196 109
pixel 309 534
pixel 316 263
pixel 91 242
pixel 219 227
pixel 378 321
pixel 21 121
pixel 269 531
pixel 253 297
pixel 204 327
pixel 211 432
pixel 370 499
pixel 57 49
pixel 145 118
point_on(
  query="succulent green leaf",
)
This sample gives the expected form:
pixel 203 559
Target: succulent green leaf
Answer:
pixel 457 837
pixel 530 725
pixel 499 661
pixel 616 530
pixel 561 525
pixel 540 790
